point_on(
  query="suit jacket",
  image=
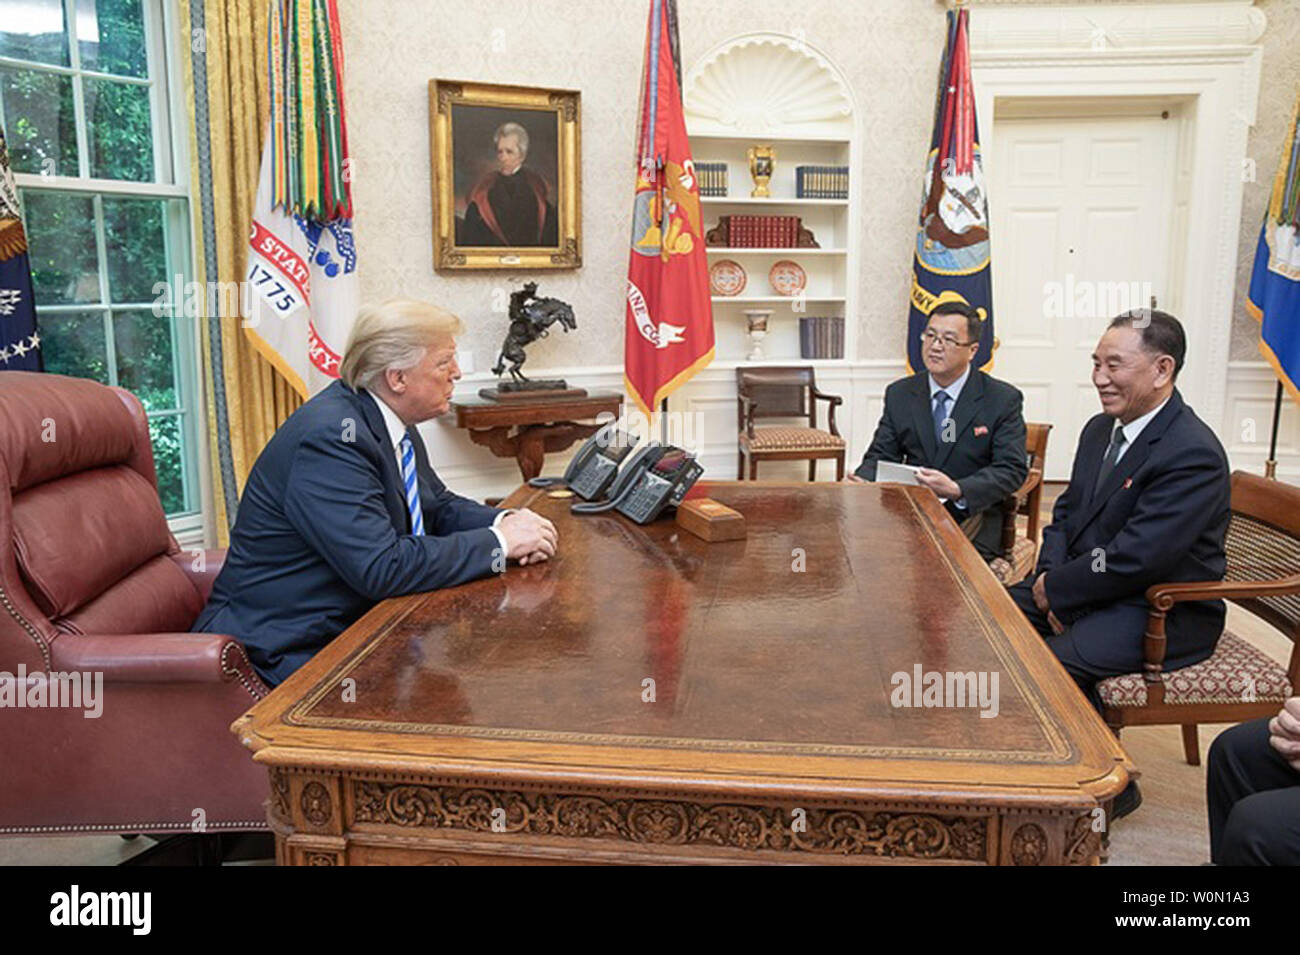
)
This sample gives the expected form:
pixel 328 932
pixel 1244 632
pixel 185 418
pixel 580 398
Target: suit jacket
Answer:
pixel 1161 515
pixel 323 533
pixel 987 466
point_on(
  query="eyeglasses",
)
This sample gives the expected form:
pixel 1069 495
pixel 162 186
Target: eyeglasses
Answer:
pixel 947 341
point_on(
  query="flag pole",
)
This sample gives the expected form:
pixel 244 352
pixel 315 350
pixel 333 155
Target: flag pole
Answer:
pixel 1270 466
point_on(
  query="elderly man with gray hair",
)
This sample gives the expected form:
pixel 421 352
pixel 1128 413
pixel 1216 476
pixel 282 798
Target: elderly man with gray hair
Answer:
pixel 342 508
pixel 511 205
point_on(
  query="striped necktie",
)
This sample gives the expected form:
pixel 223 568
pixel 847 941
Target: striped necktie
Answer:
pixel 411 485
pixel 940 416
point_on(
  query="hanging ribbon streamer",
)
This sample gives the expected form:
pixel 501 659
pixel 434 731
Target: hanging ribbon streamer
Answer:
pixel 309 154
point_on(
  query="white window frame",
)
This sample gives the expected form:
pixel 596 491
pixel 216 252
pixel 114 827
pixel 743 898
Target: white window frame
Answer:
pixel 162 34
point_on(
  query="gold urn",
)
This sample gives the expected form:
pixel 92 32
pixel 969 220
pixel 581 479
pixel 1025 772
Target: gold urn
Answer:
pixel 761 161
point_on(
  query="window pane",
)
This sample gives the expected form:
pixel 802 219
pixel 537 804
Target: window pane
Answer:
pixel 119 130
pixel 136 248
pixel 40 124
pixel 61 241
pixel 72 343
pixel 34 30
pixel 169 461
pixel 144 358
pixel 110 37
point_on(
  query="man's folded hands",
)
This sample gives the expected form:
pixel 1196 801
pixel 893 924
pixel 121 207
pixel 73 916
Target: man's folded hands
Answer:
pixel 530 538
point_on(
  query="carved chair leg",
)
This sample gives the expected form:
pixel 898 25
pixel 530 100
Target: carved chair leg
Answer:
pixel 839 468
pixel 753 468
pixel 740 465
pixel 812 469
pixel 1191 744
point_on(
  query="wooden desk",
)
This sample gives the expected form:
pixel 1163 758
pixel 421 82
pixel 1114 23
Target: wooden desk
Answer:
pixel 527 429
pixel 508 720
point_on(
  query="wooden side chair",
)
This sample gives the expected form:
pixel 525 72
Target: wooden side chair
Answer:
pixel 1237 682
pixel 1019 554
pixel 784 392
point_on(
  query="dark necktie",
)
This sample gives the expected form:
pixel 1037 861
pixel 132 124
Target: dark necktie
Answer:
pixel 940 415
pixel 1117 439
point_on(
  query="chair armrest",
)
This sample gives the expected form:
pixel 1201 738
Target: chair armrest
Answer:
pixel 748 406
pixel 204 576
pixel 1163 596
pixel 157 658
pixel 834 401
pixel 1020 496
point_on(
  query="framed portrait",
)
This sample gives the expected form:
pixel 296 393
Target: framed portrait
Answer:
pixel 506 178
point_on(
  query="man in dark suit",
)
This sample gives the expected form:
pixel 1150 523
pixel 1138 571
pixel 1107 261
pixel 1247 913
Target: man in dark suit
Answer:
pixel 965 429
pixel 342 509
pixel 1252 789
pixel 1148 502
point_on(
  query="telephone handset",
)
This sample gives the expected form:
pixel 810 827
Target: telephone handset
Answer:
pixel 658 477
pixel 593 468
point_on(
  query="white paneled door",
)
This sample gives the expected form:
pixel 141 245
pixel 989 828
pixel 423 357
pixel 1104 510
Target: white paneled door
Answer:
pixel 1082 207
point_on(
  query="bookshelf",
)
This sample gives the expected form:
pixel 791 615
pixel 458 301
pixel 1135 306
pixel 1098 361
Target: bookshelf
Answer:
pixel 767 89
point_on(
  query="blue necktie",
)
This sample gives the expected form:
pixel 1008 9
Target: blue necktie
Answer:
pixel 940 416
pixel 412 486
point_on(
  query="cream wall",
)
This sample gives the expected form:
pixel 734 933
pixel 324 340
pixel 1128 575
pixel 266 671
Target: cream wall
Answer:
pixel 886 49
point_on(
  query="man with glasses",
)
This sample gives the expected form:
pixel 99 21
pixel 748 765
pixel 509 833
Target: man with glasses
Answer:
pixel 962 428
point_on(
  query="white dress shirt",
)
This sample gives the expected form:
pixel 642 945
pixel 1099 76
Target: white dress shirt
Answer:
pixel 953 390
pixel 1134 428
pixel 396 432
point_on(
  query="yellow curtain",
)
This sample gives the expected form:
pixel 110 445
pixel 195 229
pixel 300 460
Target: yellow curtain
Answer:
pixel 226 95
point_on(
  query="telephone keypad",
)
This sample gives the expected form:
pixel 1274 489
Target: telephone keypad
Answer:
pixel 594 477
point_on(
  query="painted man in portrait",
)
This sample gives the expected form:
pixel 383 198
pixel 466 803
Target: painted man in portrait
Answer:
pixel 509 206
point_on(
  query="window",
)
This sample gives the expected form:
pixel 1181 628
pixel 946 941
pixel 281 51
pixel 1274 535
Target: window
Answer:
pixel 85 105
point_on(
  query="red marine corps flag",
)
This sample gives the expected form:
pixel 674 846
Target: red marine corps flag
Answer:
pixel 668 334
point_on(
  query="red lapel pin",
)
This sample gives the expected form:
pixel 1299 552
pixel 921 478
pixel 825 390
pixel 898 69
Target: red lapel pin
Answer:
pixel 980 429
pixel 1128 483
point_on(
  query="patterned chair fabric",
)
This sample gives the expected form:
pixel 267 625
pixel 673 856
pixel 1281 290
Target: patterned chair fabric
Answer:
pixel 1023 555
pixel 1235 673
pixel 792 439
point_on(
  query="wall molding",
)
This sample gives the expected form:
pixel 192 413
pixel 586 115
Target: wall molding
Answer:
pixel 1013 26
pixel 1251 387
pixel 471 470
pixel 1024 53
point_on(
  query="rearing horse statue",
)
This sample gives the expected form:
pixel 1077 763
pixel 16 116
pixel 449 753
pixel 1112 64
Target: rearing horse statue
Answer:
pixel 530 317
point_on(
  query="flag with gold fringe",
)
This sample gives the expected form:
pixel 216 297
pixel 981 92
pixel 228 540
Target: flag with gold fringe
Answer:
pixel 951 258
pixel 302 263
pixel 668 330
pixel 1274 297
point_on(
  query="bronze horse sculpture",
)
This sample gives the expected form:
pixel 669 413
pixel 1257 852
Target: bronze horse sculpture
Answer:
pixel 530 319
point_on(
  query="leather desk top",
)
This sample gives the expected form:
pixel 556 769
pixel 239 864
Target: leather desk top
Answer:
pixel 772 660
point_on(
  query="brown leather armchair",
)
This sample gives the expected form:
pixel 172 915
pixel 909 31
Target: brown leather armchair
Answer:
pixel 92 581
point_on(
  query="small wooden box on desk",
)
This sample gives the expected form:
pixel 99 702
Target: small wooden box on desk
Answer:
pixel 710 520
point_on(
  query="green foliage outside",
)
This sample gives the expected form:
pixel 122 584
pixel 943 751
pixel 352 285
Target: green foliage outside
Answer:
pixel 40 127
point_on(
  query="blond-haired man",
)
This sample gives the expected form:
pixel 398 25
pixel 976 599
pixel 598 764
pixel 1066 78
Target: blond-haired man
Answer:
pixel 342 509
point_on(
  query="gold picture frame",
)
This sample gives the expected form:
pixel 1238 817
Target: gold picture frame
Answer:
pixel 493 208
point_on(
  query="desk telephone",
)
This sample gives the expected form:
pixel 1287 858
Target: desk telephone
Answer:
pixel 658 476
pixel 594 467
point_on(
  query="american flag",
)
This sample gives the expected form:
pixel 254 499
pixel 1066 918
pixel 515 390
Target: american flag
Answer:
pixel 20 345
